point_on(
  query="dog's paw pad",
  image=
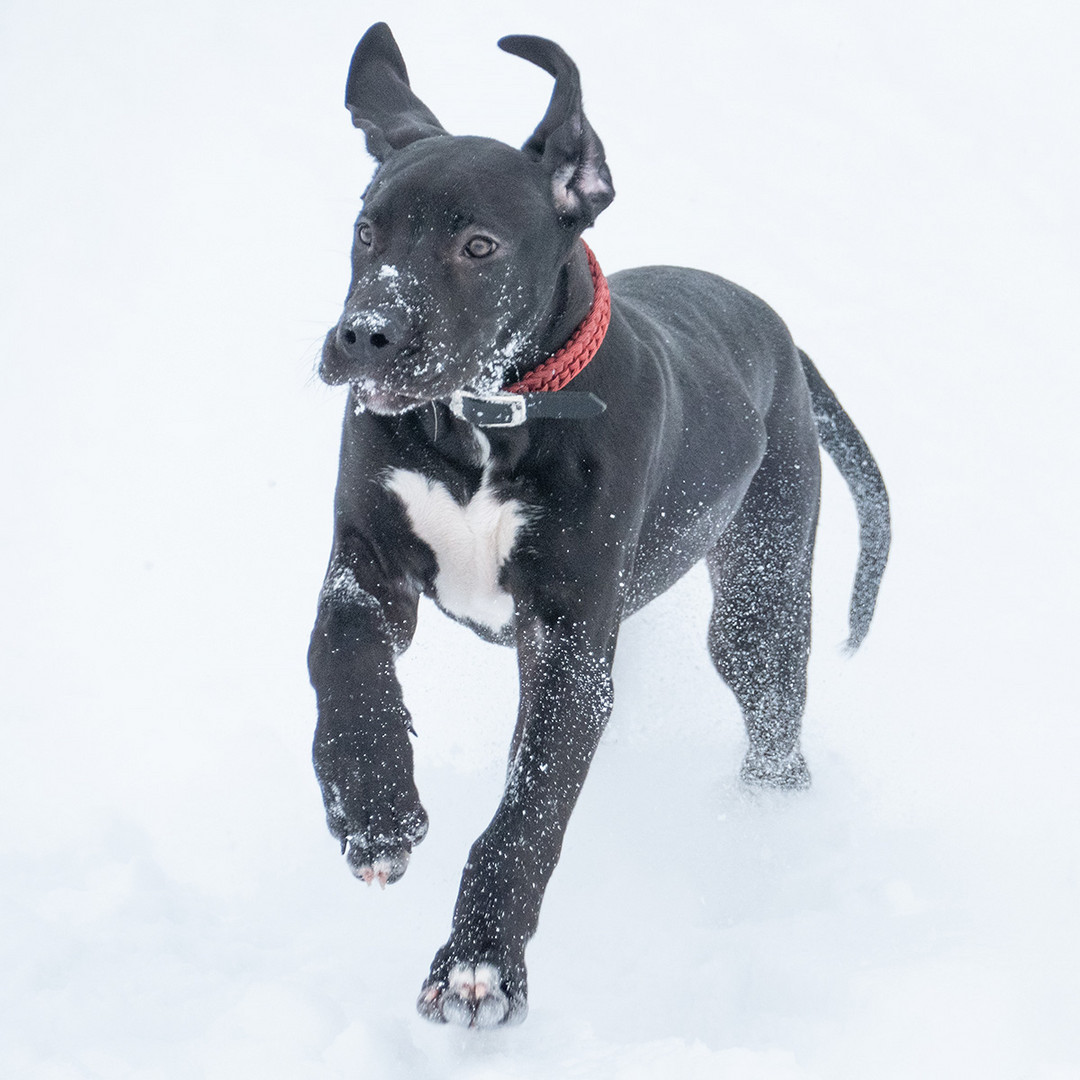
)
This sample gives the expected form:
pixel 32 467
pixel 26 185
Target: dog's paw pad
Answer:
pixel 384 870
pixel 472 997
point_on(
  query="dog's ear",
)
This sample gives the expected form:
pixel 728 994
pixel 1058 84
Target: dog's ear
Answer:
pixel 377 94
pixel 564 140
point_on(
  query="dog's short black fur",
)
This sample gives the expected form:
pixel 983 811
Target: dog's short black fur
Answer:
pixel 467 271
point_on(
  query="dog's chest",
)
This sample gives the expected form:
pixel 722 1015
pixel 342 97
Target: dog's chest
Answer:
pixel 471 542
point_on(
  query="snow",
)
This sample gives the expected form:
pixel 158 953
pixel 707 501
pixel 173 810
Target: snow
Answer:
pixel 176 215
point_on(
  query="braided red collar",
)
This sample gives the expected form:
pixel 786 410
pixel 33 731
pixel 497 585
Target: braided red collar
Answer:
pixel 533 395
pixel 569 361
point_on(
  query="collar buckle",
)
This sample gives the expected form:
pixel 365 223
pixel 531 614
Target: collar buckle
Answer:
pixel 493 409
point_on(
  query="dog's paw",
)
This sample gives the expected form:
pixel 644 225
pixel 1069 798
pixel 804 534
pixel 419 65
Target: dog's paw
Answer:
pixel 376 839
pixel 762 770
pixel 381 858
pixel 472 996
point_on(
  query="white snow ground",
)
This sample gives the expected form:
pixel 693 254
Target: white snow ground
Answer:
pixel 178 189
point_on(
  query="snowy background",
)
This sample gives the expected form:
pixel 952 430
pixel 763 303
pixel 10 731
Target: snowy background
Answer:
pixel 178 188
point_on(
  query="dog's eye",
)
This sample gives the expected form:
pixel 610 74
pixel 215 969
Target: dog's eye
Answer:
pixel 479 247
pixel 363 231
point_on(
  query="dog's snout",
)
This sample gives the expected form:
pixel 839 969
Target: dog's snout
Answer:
pixel 369 342
pixel 364 333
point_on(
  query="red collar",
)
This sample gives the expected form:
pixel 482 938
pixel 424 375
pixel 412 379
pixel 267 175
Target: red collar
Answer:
pixel 569 361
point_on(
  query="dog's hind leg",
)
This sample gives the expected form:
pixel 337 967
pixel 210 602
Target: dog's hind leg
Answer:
pixel 759 633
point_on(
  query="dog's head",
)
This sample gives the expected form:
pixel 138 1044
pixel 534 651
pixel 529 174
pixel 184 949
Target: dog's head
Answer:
pixel 460 254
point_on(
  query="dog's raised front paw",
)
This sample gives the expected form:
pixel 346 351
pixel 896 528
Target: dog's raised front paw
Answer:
pixel 380 857
pixel 763 770
pixel 472 996
pixel 376 839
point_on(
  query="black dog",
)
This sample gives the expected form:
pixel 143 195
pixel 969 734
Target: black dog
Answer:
pixel 542 517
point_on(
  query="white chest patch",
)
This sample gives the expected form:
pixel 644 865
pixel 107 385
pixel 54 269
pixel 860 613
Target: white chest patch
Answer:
pixel 470 543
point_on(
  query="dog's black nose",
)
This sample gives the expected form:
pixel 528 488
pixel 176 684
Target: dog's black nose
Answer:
pixel 347 337
pixel 364 335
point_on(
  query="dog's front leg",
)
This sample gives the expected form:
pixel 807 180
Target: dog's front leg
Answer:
pixel 478 977
pixel 362 754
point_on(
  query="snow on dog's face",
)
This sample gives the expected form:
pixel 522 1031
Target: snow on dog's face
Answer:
pixel 459 261
pixel 438 300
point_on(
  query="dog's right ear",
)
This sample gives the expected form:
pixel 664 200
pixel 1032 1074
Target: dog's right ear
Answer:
pixel 377 94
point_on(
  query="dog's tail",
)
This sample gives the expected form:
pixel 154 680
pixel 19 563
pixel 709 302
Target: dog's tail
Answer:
pixel 852 457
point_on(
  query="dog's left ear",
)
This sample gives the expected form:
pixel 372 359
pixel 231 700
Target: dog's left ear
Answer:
pixel 564 140
pixel 378 95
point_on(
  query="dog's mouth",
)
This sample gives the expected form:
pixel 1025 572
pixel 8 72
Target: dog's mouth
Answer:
pixel 370 396
pixel 375 396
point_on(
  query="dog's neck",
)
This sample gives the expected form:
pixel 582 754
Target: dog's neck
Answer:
pixel 570 304
pixel 576 284
pixel 456 440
